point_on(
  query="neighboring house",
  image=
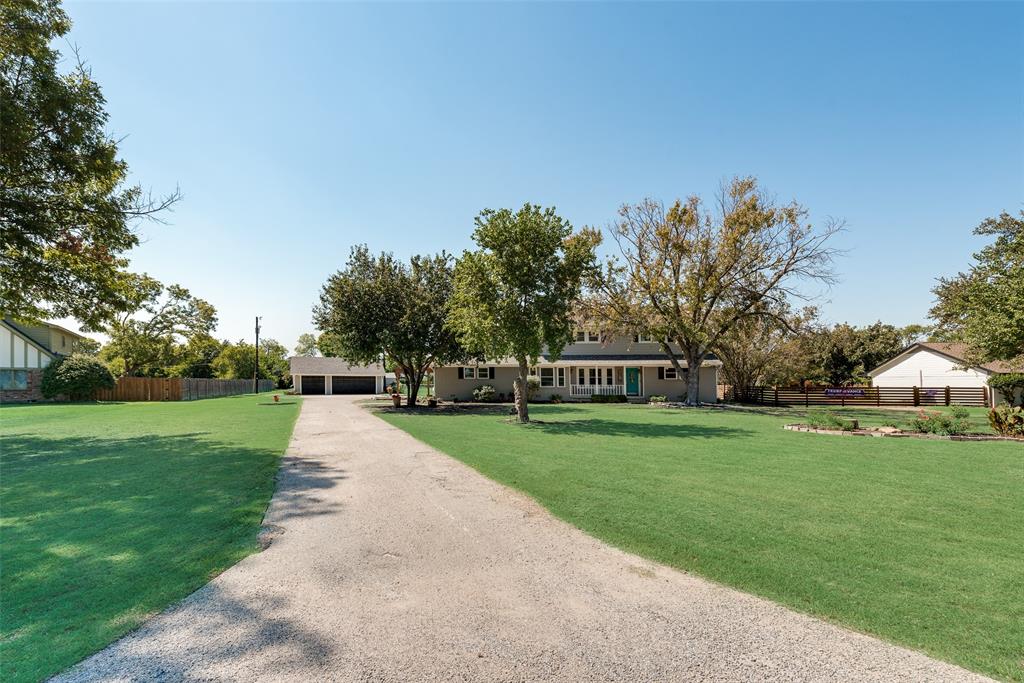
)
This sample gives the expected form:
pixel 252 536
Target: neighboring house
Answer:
pixel 635 368
pixel 24 351
pixel 319 375
pixel 937 364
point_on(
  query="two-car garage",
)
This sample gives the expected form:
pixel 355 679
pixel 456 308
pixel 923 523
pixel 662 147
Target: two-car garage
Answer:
pixel 354 384
pixel 319 376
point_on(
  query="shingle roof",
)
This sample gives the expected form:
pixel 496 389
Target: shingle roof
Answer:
pixel 570 357
pixel 319 365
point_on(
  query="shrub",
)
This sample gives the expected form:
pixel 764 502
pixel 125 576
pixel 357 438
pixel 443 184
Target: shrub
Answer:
pixel 937 422
pixel 826 419
pixel 556 398
pixel 1009 384
pixel 77 377
pixel 485 394
pixel 1007 420
pixel 532 387
pixel 608 398
pixel 657 398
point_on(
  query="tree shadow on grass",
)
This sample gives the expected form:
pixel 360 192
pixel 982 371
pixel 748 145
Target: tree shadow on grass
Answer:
pixel 463 409
pixel 602 427
pixel 98 530
pixel 593 424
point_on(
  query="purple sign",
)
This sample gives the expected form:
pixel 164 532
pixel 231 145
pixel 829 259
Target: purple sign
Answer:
pixel 845 392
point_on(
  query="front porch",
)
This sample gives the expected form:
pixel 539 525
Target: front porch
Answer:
pixel 621 380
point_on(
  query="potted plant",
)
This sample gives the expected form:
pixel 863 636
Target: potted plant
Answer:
pixel 396 399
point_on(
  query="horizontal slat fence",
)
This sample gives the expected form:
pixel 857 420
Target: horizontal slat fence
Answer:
pixel 177 388
pixel 864 396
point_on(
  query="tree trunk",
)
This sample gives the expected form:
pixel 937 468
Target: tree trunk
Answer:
pixel 694 359
pixel 412 384
pixel 522 391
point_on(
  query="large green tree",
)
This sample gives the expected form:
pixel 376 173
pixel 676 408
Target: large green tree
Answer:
pixel 379 306
pixel 306 345
pixel 984 307
pixel 238 361
pixel 515 295
pixel 195 357
pixel 66 212
pixel 146 340
pixel 688 275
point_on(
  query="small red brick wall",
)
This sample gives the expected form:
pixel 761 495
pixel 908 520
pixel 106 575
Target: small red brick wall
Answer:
pixel 21 395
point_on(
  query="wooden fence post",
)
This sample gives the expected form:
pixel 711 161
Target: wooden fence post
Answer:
pixel 776 396
pixel 917 397
pixel 807 400
pixel 947 396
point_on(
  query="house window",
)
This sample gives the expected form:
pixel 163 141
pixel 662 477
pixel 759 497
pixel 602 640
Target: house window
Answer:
pixel 588 337
pixel 469 373
pixel 14 380
pixel 643 338
pixel 594 377
pixel 581 376
pixel 609 376
pixel 561 377
pixel 547 377
pixel 670 373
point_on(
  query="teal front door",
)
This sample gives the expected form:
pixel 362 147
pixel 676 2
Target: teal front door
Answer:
pixel 632 381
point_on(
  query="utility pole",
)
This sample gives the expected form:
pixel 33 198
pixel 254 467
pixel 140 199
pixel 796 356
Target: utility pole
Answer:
pixel 256 370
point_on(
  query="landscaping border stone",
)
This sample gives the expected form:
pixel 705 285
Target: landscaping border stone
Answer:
pixel 900 434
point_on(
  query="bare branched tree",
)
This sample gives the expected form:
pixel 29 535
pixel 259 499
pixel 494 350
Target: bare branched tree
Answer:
pixel 688 275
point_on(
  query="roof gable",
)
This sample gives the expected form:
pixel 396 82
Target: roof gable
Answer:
pixel 26 338
pixel 951 350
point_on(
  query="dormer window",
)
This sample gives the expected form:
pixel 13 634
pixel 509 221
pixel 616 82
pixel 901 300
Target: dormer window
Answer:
pixel 587 337
pixel 643 338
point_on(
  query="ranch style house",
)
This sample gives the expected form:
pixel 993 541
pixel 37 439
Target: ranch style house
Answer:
pixel 635 368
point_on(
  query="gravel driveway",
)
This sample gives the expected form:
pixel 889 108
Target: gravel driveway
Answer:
pixel 394 562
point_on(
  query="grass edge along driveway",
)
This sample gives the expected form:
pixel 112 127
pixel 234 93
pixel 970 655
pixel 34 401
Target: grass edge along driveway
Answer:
pixel 918 542
pixel 113 511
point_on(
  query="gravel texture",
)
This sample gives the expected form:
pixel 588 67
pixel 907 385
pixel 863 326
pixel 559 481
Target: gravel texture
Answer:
pixel 389 561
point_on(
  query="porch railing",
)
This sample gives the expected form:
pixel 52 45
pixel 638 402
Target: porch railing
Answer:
pixel 587 390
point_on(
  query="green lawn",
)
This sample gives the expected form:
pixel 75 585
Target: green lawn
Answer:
pixel 919 542
pixel 110 512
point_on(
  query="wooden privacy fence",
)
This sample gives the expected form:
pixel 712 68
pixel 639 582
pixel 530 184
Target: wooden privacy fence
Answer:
pixel 864 396
pixel 177 388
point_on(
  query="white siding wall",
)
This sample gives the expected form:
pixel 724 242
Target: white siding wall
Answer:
pixel 925 368
pixel 16 353
pixel 6 339
pixel 19 352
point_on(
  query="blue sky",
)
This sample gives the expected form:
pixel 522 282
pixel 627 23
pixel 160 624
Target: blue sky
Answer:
pixel 298 129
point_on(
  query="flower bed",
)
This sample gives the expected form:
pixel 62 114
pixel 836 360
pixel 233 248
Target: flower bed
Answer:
pixel 893 432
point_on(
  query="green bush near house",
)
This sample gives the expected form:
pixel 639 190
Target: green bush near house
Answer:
pixel 1010 384
pixel 485 394
pixel 657 398
pixel 608 398
pixel 78 377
